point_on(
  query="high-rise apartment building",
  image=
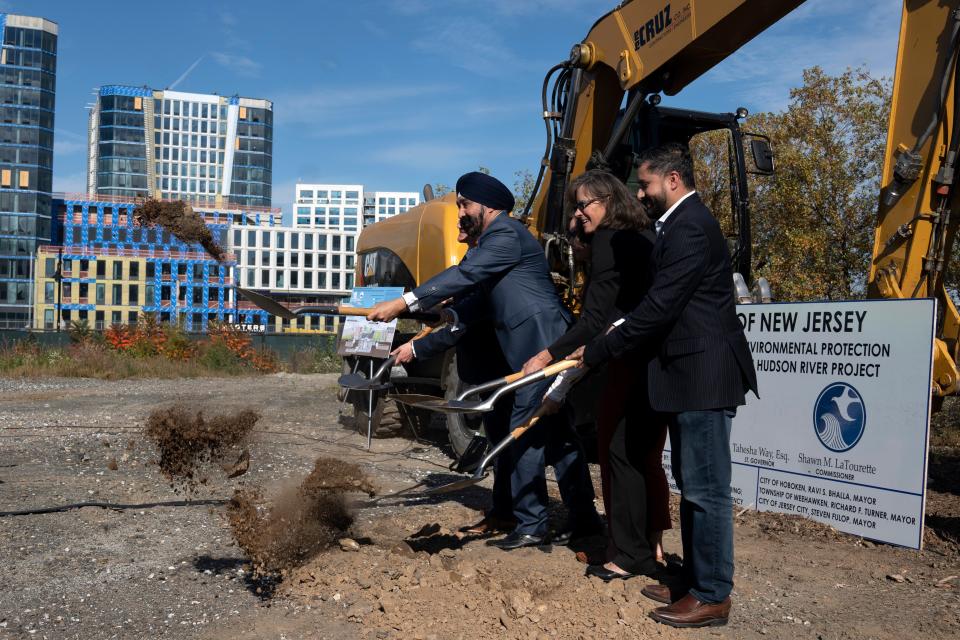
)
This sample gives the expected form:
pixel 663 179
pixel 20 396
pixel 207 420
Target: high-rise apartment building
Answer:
pixel 378 205
pixel 206 149
pixel 28 64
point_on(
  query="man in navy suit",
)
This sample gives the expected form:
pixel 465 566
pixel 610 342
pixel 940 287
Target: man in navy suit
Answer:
pixel 478 359
pixel 507 281
pixel 699 376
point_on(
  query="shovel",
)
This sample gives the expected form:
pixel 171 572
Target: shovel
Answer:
pixel 460 405
pixel 273 307
pixel 416 399
pixel 357 382
pixel 481 471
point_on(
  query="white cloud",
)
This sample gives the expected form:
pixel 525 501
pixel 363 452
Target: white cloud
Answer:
pixel 240 65
pixel 472 45
pixel 324 105
pixel 832 34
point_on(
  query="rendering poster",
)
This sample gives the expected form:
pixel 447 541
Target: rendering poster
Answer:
pixel 361 337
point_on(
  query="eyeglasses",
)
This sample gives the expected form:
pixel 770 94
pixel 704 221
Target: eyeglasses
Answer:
pixel 583 204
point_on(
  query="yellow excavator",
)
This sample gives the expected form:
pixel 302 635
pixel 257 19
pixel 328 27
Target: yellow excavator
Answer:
pixel 602 105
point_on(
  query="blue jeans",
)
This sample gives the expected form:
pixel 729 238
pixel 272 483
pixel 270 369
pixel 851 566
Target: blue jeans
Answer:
pixel 700 453
pixel 551 441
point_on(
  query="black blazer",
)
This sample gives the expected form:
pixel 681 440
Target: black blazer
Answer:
pixel 688 315
pixel 619 260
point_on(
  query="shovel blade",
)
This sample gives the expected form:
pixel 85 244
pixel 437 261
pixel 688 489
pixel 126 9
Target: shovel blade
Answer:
pixel 453 406
pixel 454 486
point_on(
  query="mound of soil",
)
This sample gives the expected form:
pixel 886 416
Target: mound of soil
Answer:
pixel 188 442
pixel 182 221
pixel 300 521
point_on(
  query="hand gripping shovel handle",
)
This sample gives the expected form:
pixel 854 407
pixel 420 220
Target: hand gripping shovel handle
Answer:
pixel 516 380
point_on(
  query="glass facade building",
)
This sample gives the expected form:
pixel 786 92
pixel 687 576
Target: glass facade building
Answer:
pixel 206 149
pixel 28 64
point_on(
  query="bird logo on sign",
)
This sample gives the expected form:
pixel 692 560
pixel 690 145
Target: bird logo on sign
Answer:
pixel 839 417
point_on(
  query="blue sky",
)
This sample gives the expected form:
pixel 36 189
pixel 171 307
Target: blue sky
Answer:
pixel 396 93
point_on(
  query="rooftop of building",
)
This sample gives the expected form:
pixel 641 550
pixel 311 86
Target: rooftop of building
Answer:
pixel 212 98
pixel 31 22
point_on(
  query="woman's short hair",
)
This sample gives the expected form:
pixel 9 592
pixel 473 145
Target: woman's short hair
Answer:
pixel 623 209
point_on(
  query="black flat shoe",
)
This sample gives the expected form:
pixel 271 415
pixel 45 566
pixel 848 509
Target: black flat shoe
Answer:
pixel 607 575
pixel 516 540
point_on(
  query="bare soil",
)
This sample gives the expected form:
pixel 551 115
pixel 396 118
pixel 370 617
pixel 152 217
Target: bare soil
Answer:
pixel 155 565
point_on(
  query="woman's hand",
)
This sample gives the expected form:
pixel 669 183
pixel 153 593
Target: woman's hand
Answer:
pixel 577 355
pixel 537 362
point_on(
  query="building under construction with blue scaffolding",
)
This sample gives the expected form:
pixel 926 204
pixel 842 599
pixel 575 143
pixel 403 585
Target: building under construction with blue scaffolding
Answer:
pixel 104 268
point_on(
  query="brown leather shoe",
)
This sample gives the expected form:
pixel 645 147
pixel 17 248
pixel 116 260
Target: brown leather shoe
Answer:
pixel 489 526
pixel 662 593
pixel 690 612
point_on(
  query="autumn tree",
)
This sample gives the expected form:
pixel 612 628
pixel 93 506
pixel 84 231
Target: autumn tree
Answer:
pixel 813 220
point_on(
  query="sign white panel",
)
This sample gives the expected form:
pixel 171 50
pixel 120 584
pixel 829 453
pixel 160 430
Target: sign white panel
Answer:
pixel 840 431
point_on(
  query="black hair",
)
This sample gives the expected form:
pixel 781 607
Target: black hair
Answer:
pixel 672 156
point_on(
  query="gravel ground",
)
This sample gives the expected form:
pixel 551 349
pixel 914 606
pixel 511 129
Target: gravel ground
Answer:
pixel 155 565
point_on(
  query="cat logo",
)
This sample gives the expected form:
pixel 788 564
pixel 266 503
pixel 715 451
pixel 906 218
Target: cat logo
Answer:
pixel 653 28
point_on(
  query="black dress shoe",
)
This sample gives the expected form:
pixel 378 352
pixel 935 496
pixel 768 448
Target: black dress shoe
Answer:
pixel 516 540
pixel 607 575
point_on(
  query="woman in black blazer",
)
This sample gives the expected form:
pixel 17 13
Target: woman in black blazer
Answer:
pixel 630 435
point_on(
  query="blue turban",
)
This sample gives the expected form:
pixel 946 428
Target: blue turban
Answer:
pixel 485 190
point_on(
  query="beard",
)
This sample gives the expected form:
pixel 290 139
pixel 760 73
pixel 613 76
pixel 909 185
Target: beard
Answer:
pixel 655 206
pixel 470 226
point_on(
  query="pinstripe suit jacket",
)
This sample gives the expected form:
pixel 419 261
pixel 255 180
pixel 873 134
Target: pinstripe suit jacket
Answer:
pixel 688 318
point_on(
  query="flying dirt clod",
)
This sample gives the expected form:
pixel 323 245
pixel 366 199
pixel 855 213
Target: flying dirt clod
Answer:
pixel 182 221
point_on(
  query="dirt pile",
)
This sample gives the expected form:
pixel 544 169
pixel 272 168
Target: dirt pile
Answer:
pixel 188 442
pixel 300 521
pixel 182 221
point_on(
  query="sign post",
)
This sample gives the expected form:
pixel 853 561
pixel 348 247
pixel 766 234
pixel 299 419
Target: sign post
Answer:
pixel 840 432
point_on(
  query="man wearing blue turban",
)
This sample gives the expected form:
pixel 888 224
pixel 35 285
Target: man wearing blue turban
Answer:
pixel 507 280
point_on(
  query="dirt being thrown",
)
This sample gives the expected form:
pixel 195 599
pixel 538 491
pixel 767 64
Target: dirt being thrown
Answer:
pixel 188 441
pixel 300 521
pixel 182 221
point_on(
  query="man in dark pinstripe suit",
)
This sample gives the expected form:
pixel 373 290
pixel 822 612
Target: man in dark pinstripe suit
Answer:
pixel 699 376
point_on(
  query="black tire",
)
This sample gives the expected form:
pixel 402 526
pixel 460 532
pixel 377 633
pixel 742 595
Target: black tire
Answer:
pixel 461 428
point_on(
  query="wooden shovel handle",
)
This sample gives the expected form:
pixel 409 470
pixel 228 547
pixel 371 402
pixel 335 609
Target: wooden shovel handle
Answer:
pixel 513 377
pixel 557 367
pixel 423 332
pixel 519 431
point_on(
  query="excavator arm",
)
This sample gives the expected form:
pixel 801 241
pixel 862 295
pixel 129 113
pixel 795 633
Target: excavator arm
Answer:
pixel 917 224
pixel 643 47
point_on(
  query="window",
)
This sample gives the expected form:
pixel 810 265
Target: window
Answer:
pixel 265 238
pixel 151 270
pixel 117 294
pixel 308 242
pixel 101 269
pixel 294 241
pixel 280 239
pixel 117 270
pixel 350 241
pixel 294 279
pixel 116 317
pixel 148 292
pixel 49 267
pixel 336 243
pixel 134 270
pixel 308 260
pixel 133 295
pixel 48 291
pixel 308 280
pixel 280 279
pixel 251 238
